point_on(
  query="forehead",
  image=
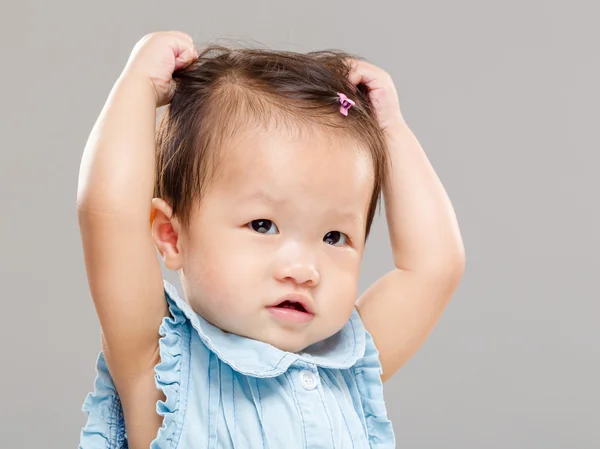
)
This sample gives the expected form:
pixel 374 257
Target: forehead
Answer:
pixel 297 166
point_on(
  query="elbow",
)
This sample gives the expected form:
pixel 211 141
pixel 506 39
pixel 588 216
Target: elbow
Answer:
pixel 449 270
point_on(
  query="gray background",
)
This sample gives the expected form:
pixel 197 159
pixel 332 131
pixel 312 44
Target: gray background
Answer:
pixel 504 98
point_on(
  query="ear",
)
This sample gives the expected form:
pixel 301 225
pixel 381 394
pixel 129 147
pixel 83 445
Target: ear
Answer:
pixel 166 234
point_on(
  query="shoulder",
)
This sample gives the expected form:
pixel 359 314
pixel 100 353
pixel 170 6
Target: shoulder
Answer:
pixel 369 362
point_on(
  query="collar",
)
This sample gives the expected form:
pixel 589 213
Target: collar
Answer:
pixel 259 359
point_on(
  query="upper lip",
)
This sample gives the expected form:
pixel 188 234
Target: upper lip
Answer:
pixel 305 301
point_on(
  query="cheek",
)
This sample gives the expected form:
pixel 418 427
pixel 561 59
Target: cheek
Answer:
pixel 346 265
pixel 350 290
pixel 221 269
pixel 343 290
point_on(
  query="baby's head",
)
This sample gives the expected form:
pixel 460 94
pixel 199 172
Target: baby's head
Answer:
pixel 267 190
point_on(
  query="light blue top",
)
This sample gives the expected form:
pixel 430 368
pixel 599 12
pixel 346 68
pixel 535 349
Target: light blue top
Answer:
pixel 227 391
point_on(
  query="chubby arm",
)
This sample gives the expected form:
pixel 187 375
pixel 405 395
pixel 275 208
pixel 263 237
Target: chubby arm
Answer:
pixel 113 202
pixel 401 309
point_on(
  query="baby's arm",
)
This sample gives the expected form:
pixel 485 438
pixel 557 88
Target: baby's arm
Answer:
pixel 114 197
pixel 401 309
pixel 113 204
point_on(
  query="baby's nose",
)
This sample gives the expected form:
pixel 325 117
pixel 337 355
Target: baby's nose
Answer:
pixel 300 272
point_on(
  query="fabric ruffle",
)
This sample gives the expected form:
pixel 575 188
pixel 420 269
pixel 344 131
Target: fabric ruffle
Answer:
pixel 172 375
pixel 105 426
pixel 368 380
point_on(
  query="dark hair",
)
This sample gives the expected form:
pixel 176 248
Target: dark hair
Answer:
pixel 227 90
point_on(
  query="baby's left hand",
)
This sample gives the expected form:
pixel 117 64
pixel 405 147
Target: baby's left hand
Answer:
pixel 382 93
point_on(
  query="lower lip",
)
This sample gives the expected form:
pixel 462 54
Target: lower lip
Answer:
pixel 291 315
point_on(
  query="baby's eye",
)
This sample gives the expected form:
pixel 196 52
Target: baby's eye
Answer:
pixel 262 226
pixel 335 237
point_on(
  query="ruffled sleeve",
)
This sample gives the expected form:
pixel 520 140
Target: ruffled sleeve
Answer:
pixel 105 427
pixel 367 372
pixel 172 374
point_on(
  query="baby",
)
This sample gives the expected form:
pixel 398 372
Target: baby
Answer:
pixel 261 185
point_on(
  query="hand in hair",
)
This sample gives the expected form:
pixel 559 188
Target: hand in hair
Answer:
pixel 156 56
pixel 382 93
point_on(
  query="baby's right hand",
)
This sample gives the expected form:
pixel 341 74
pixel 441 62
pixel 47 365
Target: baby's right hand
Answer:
pixel 156 56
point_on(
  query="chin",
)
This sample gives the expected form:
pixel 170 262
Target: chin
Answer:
pixel 291 348
pixel 289 344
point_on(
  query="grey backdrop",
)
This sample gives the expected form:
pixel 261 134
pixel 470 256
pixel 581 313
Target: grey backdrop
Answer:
pixel 504 98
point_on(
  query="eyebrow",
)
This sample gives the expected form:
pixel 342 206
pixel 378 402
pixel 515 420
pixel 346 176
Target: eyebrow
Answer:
pixel 260 196
pixel 264 196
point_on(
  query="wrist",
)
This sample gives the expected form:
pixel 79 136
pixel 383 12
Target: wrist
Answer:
pixel 397 130
pixel 138 84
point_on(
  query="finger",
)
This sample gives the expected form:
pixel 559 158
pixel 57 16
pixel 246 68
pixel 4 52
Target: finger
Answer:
pixel 183 40
pixel 189 39
pixel 179 41
pixel 365 73
pixel 184 51
pixel 183 35
pixel 185 57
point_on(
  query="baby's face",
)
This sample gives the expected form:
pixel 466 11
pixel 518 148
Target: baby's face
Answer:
pixel 288 217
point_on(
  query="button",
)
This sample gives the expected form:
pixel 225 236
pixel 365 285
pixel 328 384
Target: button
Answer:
pixel 308 379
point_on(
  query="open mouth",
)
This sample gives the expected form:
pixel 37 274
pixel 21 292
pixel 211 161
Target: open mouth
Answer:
pixel 292 310
pixel 291 305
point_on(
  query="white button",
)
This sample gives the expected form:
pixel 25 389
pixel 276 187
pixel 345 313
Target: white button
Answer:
pixel 308 379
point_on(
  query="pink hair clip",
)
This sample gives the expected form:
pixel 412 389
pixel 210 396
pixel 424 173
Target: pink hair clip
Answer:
pixel 346 103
